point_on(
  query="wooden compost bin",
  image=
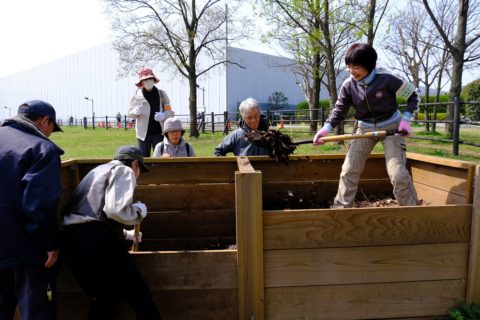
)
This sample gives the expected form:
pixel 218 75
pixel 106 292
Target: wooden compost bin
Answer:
pixel 362 263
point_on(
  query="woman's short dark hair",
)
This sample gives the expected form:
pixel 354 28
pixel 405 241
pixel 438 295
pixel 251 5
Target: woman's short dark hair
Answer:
pixel 361 54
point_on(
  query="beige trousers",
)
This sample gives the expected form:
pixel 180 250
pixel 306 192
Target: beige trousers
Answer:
pixel 395 158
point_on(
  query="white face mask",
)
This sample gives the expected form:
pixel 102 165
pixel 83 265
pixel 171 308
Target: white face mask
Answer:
pixel 148 84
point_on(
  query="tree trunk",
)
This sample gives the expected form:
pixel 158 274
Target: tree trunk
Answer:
pixel 192 100
pixel 314 98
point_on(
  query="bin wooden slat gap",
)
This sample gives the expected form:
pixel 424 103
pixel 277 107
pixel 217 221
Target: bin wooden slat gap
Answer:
pixel 248 202
pixel 364 301
pixel 353 265
pixel 473 285
pixel 187 243
pixel 325 228
pixel 444 178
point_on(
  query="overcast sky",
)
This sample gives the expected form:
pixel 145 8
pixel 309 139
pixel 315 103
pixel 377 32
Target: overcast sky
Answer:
pixel 34 32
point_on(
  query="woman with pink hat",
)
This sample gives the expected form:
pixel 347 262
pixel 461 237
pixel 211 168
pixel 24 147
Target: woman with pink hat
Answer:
pixel 150 107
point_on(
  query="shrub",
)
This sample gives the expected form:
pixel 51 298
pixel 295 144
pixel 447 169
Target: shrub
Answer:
pixel 471 92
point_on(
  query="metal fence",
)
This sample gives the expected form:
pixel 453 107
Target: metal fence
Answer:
pixel 299 119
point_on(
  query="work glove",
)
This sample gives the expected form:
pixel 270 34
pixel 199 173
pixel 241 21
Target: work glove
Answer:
pixel 159 116
pixel 130 235
pixel 323 132
pixel 405 124
pixel 141 207
pixel 137 111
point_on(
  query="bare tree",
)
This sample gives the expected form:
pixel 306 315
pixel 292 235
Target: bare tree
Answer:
pixel 464 48
pixel 369 20
pixel 175 33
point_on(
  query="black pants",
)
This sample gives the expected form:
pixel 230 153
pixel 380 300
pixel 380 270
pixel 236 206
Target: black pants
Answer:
pixel 28 287
pixel 103 268
pixel 151 140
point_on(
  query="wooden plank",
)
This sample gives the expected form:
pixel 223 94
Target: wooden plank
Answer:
pixel 437 197
pixel 473 284
pixel 364 301
pixel 171 224
pixel 310 267
pixel 244 165
pixel 187 243
pixel 176 270
pixel 166 171
pixel 366 226
pixel 248 204
pixel 448 179
pixel 187 197
pixel 313 194
pixel 218 304
pixel 413 157
pixel 315 169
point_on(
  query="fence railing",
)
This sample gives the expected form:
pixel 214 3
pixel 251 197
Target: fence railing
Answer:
pixel 225 122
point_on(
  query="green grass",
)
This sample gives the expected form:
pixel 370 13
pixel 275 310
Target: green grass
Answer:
pixel 101 143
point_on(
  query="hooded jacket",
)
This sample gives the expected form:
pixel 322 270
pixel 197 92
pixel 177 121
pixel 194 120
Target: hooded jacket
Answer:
pixel 30 190
pixel 373 103
pixel 237 142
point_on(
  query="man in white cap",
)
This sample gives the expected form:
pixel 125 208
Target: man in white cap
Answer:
pixel 150 107
pixel 30 190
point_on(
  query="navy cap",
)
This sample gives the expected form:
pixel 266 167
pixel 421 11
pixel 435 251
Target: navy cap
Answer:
pixel 40 108
pixel 131 153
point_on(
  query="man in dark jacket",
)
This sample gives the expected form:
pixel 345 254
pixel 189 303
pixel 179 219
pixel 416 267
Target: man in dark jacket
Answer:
pixel 30 190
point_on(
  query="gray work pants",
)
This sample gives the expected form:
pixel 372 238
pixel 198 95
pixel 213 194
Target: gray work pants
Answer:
pixel 395 158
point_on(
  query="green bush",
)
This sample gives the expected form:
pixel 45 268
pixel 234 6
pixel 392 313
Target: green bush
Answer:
pixel 471 92
pixel 440 116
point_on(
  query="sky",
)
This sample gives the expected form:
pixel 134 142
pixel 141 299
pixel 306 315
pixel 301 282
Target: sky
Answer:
pixel 34 32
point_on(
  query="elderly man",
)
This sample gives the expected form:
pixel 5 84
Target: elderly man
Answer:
pixel 236 142
pixel 30 190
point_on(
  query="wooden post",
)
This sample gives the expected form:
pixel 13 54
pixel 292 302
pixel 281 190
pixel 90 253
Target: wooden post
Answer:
pixel 249 215
pixel 473 282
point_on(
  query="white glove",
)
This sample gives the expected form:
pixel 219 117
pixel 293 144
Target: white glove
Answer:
pixel 142 207
pixel 159 116
pixel 137 111
pixel 130 235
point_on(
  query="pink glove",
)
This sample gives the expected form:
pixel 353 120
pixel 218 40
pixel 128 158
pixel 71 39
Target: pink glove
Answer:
pixel 320 133
pixel 405 126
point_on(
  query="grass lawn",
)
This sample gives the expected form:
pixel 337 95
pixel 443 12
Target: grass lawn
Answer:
pixel 101 143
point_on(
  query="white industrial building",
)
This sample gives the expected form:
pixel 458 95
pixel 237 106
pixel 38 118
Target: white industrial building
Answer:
pixel 92 74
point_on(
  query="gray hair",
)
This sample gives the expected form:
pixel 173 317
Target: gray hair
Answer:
pixel 248 104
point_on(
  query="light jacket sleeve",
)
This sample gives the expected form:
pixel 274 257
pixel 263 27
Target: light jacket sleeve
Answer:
pixel 227 145
pixel 131 107
pixel 119 197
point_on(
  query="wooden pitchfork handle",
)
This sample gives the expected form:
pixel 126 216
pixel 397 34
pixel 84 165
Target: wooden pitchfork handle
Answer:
pixel 137 233
pixel 372 134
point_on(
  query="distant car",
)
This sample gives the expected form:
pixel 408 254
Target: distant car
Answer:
pixel 465 120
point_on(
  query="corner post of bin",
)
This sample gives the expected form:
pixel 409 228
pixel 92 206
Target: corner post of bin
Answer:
pixel 473 283
pixel 249 220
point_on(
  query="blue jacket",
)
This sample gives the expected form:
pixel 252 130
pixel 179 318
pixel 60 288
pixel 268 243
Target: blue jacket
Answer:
pixel 237 143
pixel 30 190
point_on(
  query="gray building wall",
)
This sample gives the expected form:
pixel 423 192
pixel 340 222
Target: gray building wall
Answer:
pixel 93 73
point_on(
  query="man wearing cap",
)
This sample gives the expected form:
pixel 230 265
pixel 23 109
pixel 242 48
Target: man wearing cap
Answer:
pixel 150 107
pixel 94 236
pixel 30 190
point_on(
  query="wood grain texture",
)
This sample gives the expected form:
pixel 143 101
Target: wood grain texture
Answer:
pixel 248 204
pixel 473 285
pixel 366 226
pixel 437 197
pixel 193 224
pixel 448 179
pixel 218 304
pixel 176 270
pixel 310 267
pixel 364 301
pixel 187 197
